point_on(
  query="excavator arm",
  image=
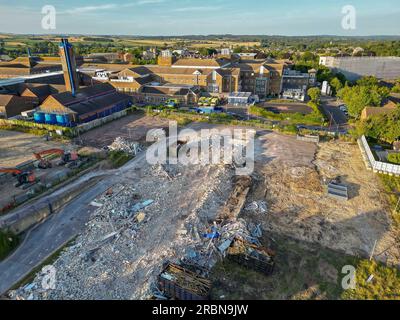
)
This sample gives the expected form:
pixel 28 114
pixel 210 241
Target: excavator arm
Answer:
pixel 10 170
pixel 38 155
pixel 22 176
pixel 43 163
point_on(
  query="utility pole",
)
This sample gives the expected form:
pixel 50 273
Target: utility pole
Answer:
pixel 397 205
pixel 373 250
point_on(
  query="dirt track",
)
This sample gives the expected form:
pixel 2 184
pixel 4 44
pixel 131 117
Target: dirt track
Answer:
pixel 133 127
pixel 17 147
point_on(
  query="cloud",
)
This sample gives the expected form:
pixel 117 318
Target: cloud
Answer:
pixel 143 2
pixel 193 9
pixel 110 6
pixel 79 10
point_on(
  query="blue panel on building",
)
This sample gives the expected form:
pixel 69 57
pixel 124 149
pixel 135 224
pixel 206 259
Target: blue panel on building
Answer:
pixel 39 117
pixel 50 118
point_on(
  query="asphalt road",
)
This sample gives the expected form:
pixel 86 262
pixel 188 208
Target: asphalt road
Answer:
pixel 47 237
pixel 331 107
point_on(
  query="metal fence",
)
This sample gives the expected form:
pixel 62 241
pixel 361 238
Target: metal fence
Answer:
pixel 378 166
pixel 98 122
pixel 308 138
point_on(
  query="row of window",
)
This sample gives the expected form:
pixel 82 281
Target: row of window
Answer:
pixel 127 90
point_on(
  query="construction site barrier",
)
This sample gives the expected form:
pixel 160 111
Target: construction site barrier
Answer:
pixel 308 138
pixel 99 122
pixel 377 166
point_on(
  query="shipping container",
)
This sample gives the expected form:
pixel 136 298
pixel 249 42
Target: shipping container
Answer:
pixel 179 283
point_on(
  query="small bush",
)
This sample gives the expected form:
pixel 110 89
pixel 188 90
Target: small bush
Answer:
pixel 8 242
pixel 118 158
pixel 314 118
pixel 394 158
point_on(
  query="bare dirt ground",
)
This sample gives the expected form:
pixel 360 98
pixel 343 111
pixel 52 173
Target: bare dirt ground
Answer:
pixel 133 127
pixel 18 147
pixel 310 232
pixel 293 184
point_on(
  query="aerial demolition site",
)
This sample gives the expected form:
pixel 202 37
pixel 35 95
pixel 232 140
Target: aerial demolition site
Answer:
pixel 137 209
pixel 158 230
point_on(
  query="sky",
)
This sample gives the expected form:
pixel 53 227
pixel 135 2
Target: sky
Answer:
pixel 201 17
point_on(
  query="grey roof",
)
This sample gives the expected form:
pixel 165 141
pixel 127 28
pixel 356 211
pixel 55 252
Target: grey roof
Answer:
pixel 99 103
pixel 66 98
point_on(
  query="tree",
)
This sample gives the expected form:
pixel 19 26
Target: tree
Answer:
pixel 368 81
pixel 359 97
pixel 207 51
pixel 324 74
pixel 315 95
pixel 396 87
pixel 383 127
pixel 336 85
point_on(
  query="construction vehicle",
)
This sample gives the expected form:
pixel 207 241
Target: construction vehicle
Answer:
pixel 23 177
pixel 66 157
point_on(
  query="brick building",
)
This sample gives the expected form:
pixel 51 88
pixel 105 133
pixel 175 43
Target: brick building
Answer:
pixel 215 76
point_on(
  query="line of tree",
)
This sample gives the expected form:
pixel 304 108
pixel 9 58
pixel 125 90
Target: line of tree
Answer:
pixel 365 93
pixel 383 127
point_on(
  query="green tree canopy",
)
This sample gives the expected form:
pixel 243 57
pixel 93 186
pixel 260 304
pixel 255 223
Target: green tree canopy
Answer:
pixel 383 127
pixel 314 94
pixel 366 93
pixel 336 85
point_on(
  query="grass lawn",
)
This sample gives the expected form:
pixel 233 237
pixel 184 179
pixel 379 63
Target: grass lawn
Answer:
pixel 8 242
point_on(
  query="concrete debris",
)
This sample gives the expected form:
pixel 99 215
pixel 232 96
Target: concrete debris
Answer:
pixel 154 214
pixel 214 248
pixel 96 204
pixel 121 144
pixel 140 217
pixel 143 221
pixel 258 206
pixel 141 205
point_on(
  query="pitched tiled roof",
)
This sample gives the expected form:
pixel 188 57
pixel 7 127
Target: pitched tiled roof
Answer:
pixel 99 103
pixel 169 90
pixel 5 99
pixel 66 98
pixel 41 90
pixel 201 62
pixel 185 71
pixel 373 111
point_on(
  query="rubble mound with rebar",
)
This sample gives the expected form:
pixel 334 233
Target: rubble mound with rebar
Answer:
pixel 121 144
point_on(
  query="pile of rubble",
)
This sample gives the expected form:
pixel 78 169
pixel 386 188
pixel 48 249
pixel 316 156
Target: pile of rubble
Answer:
pixel 186 214
pixel 121 144
pixel 216 241
pixel 137 225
